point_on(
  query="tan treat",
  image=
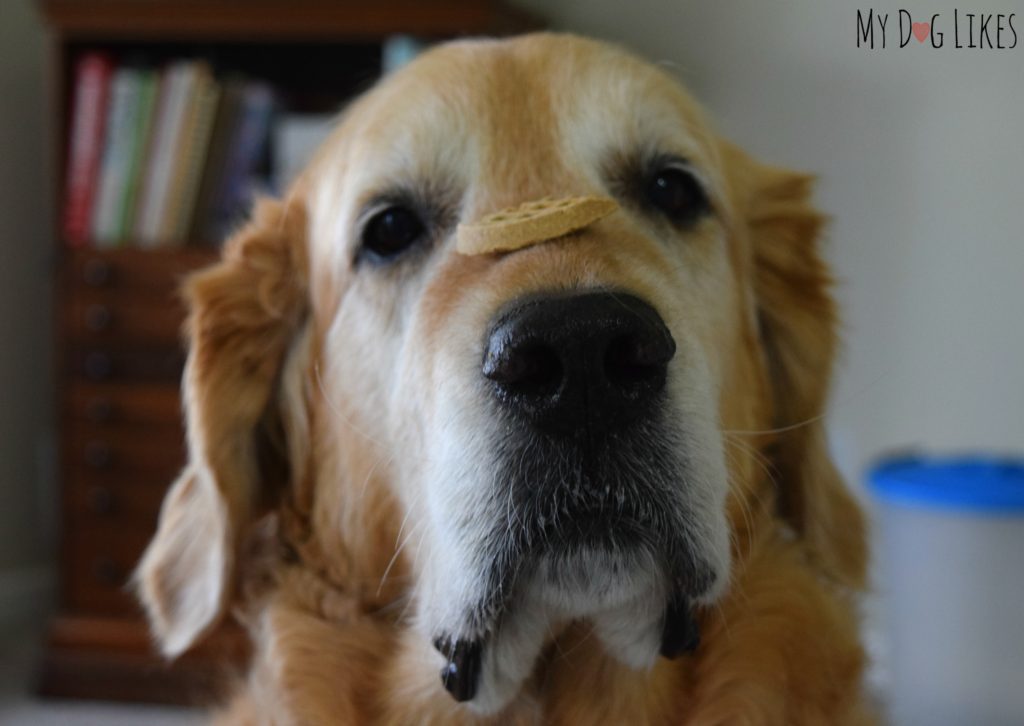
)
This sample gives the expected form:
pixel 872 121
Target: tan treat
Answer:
pixel 531 222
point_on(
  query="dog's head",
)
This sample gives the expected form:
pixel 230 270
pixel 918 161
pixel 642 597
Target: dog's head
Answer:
pixel 559 430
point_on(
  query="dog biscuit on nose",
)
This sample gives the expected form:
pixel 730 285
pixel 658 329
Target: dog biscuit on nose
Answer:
pixel 530 223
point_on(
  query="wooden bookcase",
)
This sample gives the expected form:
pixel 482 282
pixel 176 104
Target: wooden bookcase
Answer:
pixel 119 353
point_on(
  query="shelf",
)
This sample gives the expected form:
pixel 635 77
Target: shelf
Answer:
pixel 268 20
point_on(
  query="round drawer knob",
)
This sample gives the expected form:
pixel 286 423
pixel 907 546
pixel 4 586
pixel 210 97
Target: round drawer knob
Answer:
pixel 97 454
pixel 97 272
pixel 98 366
pixel 98 318
pixel 101 500
pixel 99 410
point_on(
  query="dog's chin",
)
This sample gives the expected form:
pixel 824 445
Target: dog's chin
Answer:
pixel 632 585
pixel 623 594
pixel 596 577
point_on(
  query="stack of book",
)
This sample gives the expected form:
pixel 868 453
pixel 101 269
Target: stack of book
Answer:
pixel 161 156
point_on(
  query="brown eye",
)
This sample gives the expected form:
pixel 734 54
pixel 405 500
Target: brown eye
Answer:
pixel 677 194
pixel 391 232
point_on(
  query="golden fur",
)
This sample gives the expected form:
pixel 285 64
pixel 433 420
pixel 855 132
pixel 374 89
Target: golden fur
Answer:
pixel 289 511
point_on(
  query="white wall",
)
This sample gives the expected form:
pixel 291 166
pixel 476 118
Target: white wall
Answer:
pixel 26 502
pixel 921 157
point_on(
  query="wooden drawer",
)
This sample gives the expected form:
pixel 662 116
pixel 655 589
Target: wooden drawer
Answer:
pixel 100 558
pixel 134 273
pixel 117 501
pixel 125 363
pixel 144 453
pixel 101 318
pixel 104 405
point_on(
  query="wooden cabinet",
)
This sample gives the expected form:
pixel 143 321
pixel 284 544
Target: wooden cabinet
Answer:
pixel 122 432
pixel 119 315
pixel 122 441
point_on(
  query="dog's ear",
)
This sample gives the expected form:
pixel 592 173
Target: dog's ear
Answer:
pixel 244 314
pixel 798 320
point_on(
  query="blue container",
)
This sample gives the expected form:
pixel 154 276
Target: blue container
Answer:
pixel 950 550
pixel 968 483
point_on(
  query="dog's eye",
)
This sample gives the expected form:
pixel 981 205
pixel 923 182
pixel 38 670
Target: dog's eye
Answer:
pixel 676 194
pixel 392 231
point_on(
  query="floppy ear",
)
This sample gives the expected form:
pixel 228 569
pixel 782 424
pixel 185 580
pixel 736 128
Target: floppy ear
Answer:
pixel 798 320
pixel 244 313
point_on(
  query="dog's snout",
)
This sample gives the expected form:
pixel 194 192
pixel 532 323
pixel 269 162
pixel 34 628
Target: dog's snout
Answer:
pixel 596 360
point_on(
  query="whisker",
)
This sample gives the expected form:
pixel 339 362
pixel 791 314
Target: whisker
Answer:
pixel 399 542
pixel 394 557
pixel 339 413
pixel 371 472
pixel 779 430
pixel 347 421
pixel 835 405
pixel 564 654
pixel 758 456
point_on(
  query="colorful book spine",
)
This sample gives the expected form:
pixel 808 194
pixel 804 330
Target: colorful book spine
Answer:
pixel 193 144
pixel 234 196
pixel 124 107
pixel 148 83
pixel 199 150
pixel 171 119
pixel 225 127
pixel 146 178
pixel 92 88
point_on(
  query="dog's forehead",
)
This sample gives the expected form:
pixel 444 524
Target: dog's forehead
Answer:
pixel 508 121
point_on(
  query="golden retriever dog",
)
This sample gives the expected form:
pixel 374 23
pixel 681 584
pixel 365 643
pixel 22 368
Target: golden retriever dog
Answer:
pixel 579 477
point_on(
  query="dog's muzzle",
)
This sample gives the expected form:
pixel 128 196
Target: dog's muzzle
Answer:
pixel 584 450
pixel 587 466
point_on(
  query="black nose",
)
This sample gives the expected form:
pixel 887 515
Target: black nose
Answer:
pixel 584 362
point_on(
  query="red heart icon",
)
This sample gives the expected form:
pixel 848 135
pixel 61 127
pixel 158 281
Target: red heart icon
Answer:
pixel 921 31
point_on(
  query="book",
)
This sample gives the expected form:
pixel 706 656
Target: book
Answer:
pixel 175 155
pixel 228 118
pixel 172 114
pixel 193 146
pixel 92 87
pixel 139 137
pixel 244 152
pixel 123 105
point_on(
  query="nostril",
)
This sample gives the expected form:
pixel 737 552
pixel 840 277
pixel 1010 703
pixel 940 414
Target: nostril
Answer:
pixel 527 369
pixel 632 358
